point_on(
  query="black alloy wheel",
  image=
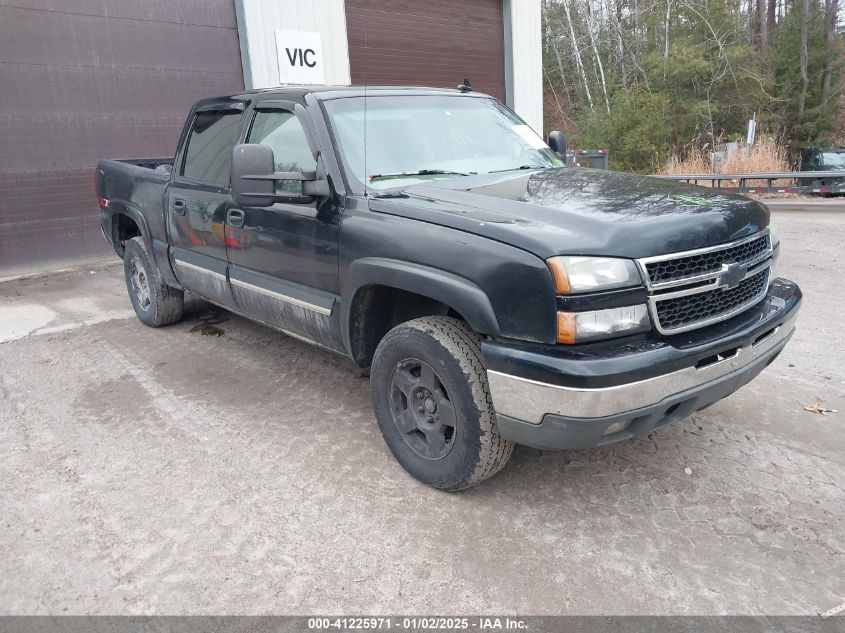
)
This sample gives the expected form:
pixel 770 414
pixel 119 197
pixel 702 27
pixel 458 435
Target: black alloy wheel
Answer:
pixel 422 410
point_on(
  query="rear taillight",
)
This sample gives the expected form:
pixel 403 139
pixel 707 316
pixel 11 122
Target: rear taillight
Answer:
pixel 103 202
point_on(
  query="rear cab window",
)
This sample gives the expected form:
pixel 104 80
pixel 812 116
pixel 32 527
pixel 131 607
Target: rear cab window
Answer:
pixel 208 154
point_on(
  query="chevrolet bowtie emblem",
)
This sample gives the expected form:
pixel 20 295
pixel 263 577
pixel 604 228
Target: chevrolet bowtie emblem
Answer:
pixel 731 275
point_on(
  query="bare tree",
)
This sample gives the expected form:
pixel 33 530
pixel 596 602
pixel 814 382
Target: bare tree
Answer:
pixel 802 57
pixel 616 14
pixel 755 14
pixel 553 36
pixel 666 37
pixel 597 48
pixel 831 14
pixel 577 51
pixel 597 56
pixel 770 19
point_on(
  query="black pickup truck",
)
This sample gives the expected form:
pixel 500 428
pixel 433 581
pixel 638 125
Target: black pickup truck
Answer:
pixel 495 295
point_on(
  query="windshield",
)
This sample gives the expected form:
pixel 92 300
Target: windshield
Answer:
pixel 414 139
pixel 834 160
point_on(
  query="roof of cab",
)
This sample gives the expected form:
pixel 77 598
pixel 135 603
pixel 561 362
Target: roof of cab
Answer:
pixel 298 93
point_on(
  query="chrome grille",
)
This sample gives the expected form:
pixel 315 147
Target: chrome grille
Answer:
pixel 709 262
pixel 701 307
pixel 693 289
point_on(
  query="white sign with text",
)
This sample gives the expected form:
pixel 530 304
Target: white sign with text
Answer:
pixel 300 57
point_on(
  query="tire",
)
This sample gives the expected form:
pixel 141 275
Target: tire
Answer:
pixel 155 302
pixel 432 402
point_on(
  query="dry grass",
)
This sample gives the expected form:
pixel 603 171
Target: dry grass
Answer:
pixel 766 155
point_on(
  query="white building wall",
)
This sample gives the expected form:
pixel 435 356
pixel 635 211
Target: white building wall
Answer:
pixel 259 19
pixel 257 24
pixel 524 60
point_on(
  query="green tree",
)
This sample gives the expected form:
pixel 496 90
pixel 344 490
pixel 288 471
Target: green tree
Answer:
pixel 818 119
pixel 687 74
pixel 636 133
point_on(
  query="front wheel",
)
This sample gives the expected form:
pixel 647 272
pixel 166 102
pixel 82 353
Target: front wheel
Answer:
pixel 155 302
pixel 432 402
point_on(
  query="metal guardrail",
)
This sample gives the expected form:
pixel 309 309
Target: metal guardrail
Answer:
pixel 813 181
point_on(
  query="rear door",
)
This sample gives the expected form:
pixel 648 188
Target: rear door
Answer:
pixel 198 199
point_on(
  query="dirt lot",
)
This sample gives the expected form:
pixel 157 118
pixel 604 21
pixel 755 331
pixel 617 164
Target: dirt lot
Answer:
pixel 171 471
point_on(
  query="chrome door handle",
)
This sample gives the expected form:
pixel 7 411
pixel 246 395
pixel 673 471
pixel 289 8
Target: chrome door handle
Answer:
pixel 235 218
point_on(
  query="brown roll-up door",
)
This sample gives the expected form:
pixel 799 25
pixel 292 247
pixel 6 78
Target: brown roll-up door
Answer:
pixel 433 43
pixel 80 81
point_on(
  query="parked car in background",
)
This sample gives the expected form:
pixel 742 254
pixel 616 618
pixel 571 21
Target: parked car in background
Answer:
pixel 432 237
pixel 823 160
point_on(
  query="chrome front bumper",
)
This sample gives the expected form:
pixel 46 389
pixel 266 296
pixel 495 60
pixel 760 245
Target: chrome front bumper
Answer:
pixel 530 401
pixel 553 416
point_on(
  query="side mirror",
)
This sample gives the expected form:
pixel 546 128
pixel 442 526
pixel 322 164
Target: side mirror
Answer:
pixel 557 142
pixel 252 164
pixel 254 179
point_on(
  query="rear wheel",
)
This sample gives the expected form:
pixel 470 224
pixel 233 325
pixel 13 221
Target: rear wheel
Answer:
pixel 432 402
pixel 155 302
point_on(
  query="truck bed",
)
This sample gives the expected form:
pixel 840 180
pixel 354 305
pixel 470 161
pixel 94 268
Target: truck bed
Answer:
pixel 164 165
pixel 135 187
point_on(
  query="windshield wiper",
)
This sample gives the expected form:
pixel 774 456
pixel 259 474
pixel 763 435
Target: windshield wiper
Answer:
pixel 421 172
pixel 496 171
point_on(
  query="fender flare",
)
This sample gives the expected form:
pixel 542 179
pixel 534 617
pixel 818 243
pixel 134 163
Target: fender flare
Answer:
pixel 459 293
pixel 156 248
pixel 133 211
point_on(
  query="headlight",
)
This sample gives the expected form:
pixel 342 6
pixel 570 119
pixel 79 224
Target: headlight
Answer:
pixel 774 239
pixel 774 234
pixel 574 274
pixel 579 327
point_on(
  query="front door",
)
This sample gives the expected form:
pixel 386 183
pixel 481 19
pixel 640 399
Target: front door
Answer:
pixel 284 258
pixel 197 202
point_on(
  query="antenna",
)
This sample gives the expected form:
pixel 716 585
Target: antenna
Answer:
pixel 464 87
pixel 366 67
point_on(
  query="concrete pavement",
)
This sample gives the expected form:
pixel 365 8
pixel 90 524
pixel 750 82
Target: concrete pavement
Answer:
pixel 166 471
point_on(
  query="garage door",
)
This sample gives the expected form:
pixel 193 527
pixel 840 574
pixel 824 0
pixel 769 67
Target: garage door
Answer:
pixel 81 81
pixel 433 43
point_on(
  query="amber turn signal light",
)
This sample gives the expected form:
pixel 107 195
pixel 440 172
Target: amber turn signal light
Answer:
pixel 559 275
pixel 566 326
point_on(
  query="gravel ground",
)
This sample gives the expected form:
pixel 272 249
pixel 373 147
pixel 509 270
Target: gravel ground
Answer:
pixel 167 471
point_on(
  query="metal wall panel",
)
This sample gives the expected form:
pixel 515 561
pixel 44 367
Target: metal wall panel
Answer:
pixel 434 43
pixel 258 21
pixel 82 80
pixel 524 60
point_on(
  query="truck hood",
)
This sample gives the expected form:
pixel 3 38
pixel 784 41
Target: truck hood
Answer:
pixel 574 211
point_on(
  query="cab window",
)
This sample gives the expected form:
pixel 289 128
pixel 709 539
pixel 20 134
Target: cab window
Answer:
pixel 282 132
pixel 209 152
